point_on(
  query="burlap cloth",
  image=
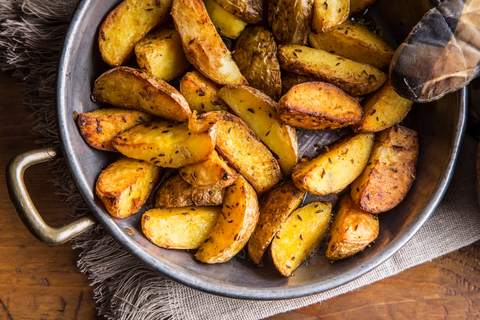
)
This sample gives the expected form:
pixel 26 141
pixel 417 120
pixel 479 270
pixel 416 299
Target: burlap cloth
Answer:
pixel 31 33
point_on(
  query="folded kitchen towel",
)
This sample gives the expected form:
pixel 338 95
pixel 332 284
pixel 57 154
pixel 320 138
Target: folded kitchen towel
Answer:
pixel 31 33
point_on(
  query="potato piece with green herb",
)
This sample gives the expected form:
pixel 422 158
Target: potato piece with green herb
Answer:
pixel 329 13
pixel 250 11
pixel 227 24
pixel 290 20
pixel 201 93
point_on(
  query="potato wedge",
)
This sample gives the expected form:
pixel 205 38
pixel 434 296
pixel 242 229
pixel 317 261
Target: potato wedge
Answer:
pixel 250 11
pixel 161 53
pixel 126 25
pixel 290 20
pixel 356 42
pixel 227 24
pixel 357 6
pixel 259 112
pixel 333 170
pixel 179 228
pixel 211 173
pixel 256 56
pixel 354 78
pixel 176 192
pixel 201 93
pixel 100 126
pixel 329 13
pixel 274 209
pixel 390 171
pixel 299 235
pixel 383 109
pixel 318 106
pixel 125 185
pixel 234 226
pixel 202 45
pixel 240 148
pixel 352 230
pixel 162 143
pixel 292 79
pixel 134 89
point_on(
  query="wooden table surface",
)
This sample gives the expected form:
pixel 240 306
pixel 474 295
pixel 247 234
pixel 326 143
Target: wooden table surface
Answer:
pixel 38 281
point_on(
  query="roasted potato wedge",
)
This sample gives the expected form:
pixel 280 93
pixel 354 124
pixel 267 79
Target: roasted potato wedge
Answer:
pixel 274 209
pixel 390 171
pixel 333 170
pixel 383 109
pixel 256 56
pixel 318 106
pixel 135 89
pixel 202 45
pixel 125 185
pixel 292 79
pixel 250 11
pixel 162 143
pixel 290 20
pixel 352 230
pixel 357 6
pixel 227 24
pixel 234 226
pixel 240 148
pixel 100 126
pixel 176 192
pixel 329 13
pixel 211 173
pixel 259 112
pixel 354 78
pixel 126 25
pixel 161 53
pixel 179 228
pixel 201 93
pixel 356 42
pixel 299 235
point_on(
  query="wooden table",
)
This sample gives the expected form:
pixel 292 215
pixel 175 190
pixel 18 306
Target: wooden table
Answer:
pixel 38 281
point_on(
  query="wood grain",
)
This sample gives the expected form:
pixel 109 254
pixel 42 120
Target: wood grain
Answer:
pixel 38 281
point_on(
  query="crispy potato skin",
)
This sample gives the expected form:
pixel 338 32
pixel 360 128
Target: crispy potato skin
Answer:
pixel 390 171
pixel 333 170
pixel 234 226
pixel 202 44
pixel 250 11
pixel 290 20
pixel 354 78
pixel 328 14
pixel 227 24
pixel 256 57
pixel 125 185
pixel 352 230
pixel 299 235
pixel 100 126
pixel 318 106
pixel 292 79
pixel 201 93
pixel 126 25
pixel 357 6
pixel 274 209
pixel 134 89
pixel 179 228
pixel 176 192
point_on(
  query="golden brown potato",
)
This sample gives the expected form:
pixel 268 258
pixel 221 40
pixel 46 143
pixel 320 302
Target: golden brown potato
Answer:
pixel 292 79
pixel 165 144
pixel 333 170
pixel 354 78
pixel 352 230
pixel 201 93
pixel 290 20
pixel 240 148
pixel 318 106
pixel 274 209
pixel 250 11
pixel 202 45
pixel 390 171
pixel 179 228
pixel 300 235
pixel 161 53
pixel 259 113
pixel 126 25
pixel 135 89
pixel 176 192
pixel 357 6
pixel 211 173
pixel 125 185
pixel 256 56
pixel 227 24
pixel 329 13
pixel 383 109
pixel 356 42
pixel 234 226
pixel 100 126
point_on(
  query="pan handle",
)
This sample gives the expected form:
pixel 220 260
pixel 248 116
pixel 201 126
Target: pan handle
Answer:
pixel 26 209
